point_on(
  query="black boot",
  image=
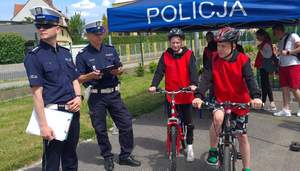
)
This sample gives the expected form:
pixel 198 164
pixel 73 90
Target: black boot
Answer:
pixel 109 164
pixel 130 161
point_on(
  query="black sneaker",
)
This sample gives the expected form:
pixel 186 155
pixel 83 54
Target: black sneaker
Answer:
pixel 109 164
pixel 130 161
pixel 212 158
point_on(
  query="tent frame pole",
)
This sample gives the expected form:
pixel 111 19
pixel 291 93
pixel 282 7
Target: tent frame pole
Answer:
pixel 141 49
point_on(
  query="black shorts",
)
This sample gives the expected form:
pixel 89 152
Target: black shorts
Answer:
pixel 239 124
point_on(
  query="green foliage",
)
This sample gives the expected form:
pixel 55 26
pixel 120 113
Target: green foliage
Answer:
pixel 249 48
pixel 12 48
pixel 104 22
pixel 140 71
pixel 159 37
pixel 247 36
pixel 76 28
pixel 152 67
pixel 29 19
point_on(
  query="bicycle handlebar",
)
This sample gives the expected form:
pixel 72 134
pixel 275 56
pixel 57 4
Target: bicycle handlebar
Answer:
pixel 182 90
pixel 226 104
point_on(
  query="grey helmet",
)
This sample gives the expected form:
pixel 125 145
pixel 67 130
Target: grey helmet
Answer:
pixel 176 32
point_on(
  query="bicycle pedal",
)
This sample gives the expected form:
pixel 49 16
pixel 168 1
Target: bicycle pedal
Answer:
pixel 239 156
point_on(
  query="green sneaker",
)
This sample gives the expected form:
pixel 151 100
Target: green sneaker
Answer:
pixel 213 158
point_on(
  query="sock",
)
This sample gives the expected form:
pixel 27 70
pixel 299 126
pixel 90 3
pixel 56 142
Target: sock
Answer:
pixel 213 149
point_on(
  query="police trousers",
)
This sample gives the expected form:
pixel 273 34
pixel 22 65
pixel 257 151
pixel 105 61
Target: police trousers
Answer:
pixel 99 104
pixel 64 152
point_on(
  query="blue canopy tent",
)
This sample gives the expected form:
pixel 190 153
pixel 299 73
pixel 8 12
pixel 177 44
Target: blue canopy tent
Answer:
pixel 159 15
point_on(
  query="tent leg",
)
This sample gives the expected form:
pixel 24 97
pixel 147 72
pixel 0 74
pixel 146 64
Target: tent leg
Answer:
pixel 141 48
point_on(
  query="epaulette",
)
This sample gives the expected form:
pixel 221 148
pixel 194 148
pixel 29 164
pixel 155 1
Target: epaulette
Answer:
pixel 64 48
pixel 82 50
pixel 35 50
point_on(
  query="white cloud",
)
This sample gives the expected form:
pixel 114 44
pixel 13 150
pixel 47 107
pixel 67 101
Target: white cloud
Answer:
pixel 106 3
pixel 119 1
pixel 84 4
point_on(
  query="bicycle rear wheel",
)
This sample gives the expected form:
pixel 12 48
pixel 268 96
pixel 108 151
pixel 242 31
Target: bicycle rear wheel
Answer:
pixel 173 154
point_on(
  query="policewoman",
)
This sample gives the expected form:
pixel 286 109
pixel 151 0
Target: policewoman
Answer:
pixel 53 81
pixel 92 63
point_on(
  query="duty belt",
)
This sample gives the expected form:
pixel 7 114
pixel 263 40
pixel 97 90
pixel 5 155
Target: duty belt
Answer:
pixel 58 107
pixel 105 90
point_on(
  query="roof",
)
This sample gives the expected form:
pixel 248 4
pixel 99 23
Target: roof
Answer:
pixel 18 7
pixel 27 31
pixel 119 3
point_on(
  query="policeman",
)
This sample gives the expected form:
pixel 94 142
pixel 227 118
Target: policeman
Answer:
pixel 99 66
pixel 53 81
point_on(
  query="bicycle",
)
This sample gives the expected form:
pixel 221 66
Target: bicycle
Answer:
pixel 176 129
pixel 228 154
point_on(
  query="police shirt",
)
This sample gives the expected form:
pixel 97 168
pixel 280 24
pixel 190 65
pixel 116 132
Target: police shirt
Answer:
pixel 54 70
pixel 89 59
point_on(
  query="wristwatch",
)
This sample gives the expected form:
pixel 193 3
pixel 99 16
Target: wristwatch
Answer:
pixel 288 52
pixel 81 96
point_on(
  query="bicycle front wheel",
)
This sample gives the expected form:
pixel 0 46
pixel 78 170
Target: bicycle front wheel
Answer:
pixel 173 155
pixel 227 159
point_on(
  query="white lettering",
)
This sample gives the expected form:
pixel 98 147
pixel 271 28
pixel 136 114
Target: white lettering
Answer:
pixel 194 10
pixel 225 11
pixel 174 13
pixel 204 9
pixel 201 13
pixel 149 15
pixel 180 13
pixel 237 3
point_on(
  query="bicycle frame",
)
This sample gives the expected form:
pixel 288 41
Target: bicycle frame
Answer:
pixel 174 120
pixel 226 136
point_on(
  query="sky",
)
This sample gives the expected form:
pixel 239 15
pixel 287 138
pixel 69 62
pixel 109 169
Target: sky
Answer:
pixel 89 9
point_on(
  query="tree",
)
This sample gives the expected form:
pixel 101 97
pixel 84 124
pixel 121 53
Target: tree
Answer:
pixel 29 19
pixel 104 22
pixel 76 28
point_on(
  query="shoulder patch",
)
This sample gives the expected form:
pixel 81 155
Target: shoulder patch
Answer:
pixel 35 50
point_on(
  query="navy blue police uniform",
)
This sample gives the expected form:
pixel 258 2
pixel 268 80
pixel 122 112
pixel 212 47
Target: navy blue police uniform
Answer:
pixel 100 101
pixel 53 69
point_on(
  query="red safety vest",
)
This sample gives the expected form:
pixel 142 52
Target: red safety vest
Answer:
pixel 177 75
pixel 229 84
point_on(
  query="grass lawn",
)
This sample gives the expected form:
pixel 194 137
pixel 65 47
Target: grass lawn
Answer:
pixel 18 149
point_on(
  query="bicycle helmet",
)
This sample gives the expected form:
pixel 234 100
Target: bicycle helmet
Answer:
pixel 176 32
pixel 227 34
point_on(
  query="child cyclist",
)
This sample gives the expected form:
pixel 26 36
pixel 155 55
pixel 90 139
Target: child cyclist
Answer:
pixel 178 65
pixel 230 74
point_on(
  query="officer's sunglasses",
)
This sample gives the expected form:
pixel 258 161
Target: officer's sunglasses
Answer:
pixel 45 26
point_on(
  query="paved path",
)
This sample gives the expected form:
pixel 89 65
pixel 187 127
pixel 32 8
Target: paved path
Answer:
pixel 269 138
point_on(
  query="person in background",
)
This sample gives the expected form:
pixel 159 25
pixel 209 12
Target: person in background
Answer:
pixel 264 62
pixel 289 69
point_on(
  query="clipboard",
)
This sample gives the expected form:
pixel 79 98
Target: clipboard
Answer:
pixel 57 120
pixel 109 68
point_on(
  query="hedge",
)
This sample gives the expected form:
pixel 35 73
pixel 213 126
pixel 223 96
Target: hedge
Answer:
pixel 12 48
pixel 159 37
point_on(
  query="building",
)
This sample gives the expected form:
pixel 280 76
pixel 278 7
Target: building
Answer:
pixel 22 13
